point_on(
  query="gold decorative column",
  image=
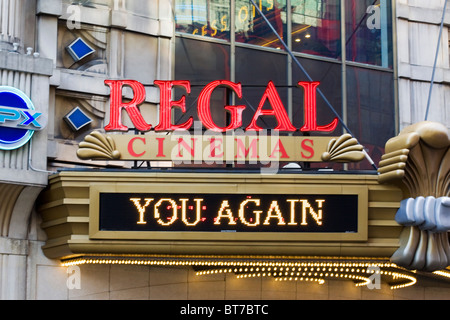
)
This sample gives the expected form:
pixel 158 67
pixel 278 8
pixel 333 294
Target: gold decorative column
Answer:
pixel 418 160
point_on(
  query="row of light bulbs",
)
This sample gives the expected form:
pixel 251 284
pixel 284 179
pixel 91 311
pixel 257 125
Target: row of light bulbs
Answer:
pixel 285 270
pixel 315 274
pixel 442 273
pixel 313 271
pixel 220 263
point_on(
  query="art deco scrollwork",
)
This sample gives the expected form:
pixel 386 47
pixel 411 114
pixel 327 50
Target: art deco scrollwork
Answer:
pixel 418 159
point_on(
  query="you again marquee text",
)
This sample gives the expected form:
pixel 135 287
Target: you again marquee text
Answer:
pixel 228 212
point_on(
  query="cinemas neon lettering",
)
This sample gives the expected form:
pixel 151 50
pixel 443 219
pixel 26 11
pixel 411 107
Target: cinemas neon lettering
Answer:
pixel 215 148
pixel 167 104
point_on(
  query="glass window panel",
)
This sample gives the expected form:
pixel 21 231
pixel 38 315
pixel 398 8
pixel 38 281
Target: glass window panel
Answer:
pixel 316 27
pixel 369 32
pixel 207 18
pixel 201 62
pixel 315 30
pixel 252 29
pixel 371 110
pixel 329 76
pixel 254 79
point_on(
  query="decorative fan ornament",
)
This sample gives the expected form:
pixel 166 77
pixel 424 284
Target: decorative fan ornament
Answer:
pixel 98 146
pixel 344 149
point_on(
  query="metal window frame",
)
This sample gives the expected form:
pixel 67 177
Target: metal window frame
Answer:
pixel 343 61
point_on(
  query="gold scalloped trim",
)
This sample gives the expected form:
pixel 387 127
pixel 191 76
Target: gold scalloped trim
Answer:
pixel 344 149
pixel 98 146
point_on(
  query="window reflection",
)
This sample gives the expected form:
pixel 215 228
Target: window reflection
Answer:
pixel 252 29
pixel 316 27
pixel 208 18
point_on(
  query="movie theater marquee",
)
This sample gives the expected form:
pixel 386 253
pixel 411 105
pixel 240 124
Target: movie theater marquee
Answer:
pixel 214 210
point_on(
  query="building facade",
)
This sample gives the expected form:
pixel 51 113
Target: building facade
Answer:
pixel 374 61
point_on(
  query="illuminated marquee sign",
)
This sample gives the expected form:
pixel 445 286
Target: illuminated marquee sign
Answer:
pixel 203 107
pixel 228 212
pixel 230 143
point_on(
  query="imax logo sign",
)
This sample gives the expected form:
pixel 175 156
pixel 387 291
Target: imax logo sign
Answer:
pixel 19 118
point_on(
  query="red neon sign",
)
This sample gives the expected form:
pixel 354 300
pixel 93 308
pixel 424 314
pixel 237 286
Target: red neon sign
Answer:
pixel 203 107
pixel 204 111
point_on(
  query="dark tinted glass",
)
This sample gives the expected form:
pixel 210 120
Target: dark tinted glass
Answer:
pixel 329 76
pixel 201 62
pixel 371 109
pixel 369 32
pixel 254 69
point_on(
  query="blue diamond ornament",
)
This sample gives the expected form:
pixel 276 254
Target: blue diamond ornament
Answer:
pixel 79 49
pixel 77 119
